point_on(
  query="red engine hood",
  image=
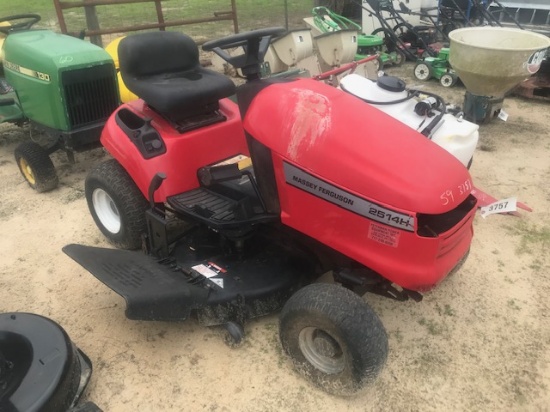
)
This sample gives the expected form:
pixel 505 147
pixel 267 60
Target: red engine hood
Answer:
pixel 357 147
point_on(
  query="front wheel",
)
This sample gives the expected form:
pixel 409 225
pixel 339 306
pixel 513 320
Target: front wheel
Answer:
pixel 36 166
pixel 333 337
pixel 423 71
pixel 448 80
pixel 116 204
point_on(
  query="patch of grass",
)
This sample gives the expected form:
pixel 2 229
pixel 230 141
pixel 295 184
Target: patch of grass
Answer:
pixel 531 237
pixel 536 265
pixel 512 304
pixel 251 14
pixel 432 326
pixel 398 335
pixel 447 310
pixel 487 147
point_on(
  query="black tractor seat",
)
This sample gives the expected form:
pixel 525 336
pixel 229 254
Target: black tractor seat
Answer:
pixel 163 69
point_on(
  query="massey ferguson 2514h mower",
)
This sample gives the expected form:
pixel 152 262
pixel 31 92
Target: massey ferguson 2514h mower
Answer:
pixel 241 208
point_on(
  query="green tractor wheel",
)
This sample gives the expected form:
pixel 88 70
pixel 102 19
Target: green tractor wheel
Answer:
pixel 36 166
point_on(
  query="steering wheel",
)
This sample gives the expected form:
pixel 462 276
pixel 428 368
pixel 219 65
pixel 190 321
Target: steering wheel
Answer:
pixel 28 21
pixel 254 43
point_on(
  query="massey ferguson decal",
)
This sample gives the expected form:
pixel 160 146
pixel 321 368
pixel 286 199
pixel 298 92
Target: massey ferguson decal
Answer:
pixel 319 188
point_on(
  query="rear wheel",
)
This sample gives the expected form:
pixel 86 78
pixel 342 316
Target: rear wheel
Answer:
pixel 36 166
pixel 378 65
pixel 333 337
pixel 386 36
pixel 399 58
pixel 406 32
pixel 423 71
pixel 116 204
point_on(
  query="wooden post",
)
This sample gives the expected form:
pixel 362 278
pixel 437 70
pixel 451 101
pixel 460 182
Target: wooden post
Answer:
pixel 160 16
pixel 60 18
pixel 92 23
pixel 235 21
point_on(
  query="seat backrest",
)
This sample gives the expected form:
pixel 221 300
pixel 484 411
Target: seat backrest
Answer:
pixel 150 53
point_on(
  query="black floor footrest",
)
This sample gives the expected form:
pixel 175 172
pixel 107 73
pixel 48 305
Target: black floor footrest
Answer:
pixel 205 203
pixel 217 210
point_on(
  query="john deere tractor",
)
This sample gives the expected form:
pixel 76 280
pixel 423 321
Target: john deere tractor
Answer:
pixel 60 87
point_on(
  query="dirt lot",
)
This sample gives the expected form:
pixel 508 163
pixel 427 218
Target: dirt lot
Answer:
pixel 480 341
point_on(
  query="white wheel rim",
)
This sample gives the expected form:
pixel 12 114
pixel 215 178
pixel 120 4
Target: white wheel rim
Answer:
pixel 422 72
pixel 446 80
pixel 106 210
pixel 398 59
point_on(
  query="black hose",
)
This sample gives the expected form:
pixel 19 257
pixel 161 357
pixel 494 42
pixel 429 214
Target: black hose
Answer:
pixel 442 111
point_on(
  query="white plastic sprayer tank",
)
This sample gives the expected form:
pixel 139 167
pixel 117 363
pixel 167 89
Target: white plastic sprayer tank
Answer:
pixel 491 61
pixel 458 136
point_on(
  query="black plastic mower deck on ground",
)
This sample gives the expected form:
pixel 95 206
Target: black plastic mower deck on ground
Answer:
pixel 200 278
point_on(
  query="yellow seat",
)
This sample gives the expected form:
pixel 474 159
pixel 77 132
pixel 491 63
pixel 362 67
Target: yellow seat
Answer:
pixel 125 94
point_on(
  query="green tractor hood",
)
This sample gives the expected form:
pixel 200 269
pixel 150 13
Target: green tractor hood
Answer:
pixel 61 82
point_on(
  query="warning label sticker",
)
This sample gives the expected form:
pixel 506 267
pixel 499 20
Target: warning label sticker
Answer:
pixel 384 234
pixel 205 271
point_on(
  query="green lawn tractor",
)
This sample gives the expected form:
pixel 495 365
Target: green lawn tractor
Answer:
pixel 367 45
pixel 60 87
pixel 436 67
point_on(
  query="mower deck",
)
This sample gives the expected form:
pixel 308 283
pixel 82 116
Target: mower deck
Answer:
pixel 198 277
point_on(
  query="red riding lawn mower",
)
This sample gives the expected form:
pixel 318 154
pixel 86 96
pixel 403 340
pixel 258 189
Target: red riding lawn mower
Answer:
pixel 242 207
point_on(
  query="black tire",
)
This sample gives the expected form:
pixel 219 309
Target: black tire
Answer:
pixel 423 71
pixel 448 80
pixel 329 318
pixel 391 42
pixel 399 58
pixel 116 204
pixel 36 166
pixel 378 64
pixel 387 36
pixel 406 32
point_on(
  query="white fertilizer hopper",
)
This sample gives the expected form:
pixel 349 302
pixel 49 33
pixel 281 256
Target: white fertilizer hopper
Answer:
pixel 491 61
pixel 337 47
pixel 272 63
pixel 294 46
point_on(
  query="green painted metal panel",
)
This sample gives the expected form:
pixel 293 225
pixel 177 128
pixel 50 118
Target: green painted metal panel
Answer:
pixel 34 61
